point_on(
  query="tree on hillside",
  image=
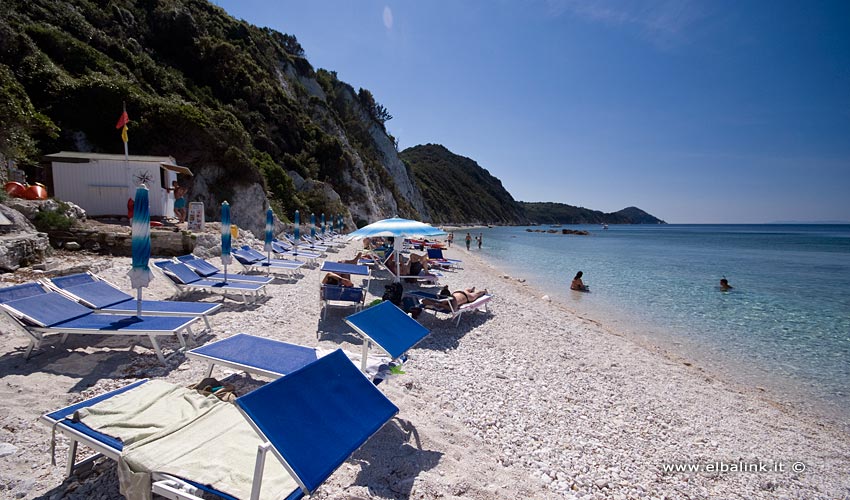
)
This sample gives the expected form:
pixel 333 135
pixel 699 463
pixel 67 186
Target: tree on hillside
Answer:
pixel 376 110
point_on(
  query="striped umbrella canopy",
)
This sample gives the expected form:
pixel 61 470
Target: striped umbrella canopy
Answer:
pixel 269 234
pixel 398 229
pixel 323 223
pixel 140 274
pixel 225 237
pixel 297 229
pixel 312 226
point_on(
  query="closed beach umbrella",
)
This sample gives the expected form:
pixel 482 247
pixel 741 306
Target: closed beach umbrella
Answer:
pixel 269 234
pixel 312 226
pixel 225 237
pixel 323 223
pixel 140 274
pixel 297 229
pixel 398 229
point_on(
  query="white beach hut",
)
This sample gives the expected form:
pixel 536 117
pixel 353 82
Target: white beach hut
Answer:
pixel 103 183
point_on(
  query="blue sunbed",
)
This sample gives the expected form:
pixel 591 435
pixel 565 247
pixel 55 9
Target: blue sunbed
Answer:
pixel 97 293
pixel 311 420
pixel 253 260
pixel 208 271
pixel 39 311
pixel 185 280
pixel 388 327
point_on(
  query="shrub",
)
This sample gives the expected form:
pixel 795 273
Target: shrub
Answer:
pixel 52 221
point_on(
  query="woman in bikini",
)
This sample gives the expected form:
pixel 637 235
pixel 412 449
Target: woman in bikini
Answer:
pixel 337 279
pixel 458 298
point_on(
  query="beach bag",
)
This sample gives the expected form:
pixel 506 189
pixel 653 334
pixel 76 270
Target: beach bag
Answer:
pixel 209 385
pixel 393 293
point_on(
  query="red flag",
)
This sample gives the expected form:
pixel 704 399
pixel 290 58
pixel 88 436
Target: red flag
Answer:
pixel 123 120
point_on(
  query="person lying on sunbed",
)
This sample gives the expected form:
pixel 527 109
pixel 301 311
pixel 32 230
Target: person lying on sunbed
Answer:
pixel 337 279
pixel 354 260
pixel 457 298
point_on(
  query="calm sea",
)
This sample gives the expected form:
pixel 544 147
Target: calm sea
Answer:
pixel 785 325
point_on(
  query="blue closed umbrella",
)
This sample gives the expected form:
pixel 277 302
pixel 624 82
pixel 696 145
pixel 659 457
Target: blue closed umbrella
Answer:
pixel 313 227
pixel 225 237
pixel 398 229
pixel 297 230
pixel 323 223
pixel 269 234
pixel 140 274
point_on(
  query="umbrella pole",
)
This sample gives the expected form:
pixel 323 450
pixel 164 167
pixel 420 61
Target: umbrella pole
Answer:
pixel 139 302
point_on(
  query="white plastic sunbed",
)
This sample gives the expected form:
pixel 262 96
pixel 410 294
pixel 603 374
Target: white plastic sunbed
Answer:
pixel 453 312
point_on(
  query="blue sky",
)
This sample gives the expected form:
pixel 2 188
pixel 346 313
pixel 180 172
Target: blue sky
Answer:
pixel 700 112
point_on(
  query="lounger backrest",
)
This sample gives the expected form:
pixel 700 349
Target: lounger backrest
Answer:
pixel 46 310
pixel 202 267
pixel 330 411
pixel 343 293
pixel 72 280
pixel 253 253
pixel 98 294
pixel 435 253
pixel 180 272
pixel 389 327
pixel 21 291
pixel 187 257
pixel 243 257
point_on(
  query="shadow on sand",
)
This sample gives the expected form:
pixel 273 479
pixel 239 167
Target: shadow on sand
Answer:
pixel 390 463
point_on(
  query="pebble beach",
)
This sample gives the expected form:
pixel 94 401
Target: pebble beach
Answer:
pixel 525 400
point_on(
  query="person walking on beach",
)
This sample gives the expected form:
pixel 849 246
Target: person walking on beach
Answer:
pixel 480 240
pixel 468 241
pixel 450 238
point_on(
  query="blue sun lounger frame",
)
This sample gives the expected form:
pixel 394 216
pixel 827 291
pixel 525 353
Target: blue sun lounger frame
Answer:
pixel 185 280
pixel 207 271
pixel 95 292
pixel 39 311
pixel 332 410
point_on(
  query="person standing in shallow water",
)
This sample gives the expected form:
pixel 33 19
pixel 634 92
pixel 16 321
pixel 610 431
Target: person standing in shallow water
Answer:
pixel 468 241
pixel 480 240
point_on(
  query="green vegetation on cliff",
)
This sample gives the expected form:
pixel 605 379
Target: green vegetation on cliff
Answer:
pixel 216 92
pixel 458 190
pixel 560 213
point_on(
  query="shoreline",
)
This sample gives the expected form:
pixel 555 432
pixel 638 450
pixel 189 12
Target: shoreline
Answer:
pixel 777 389
pixel 528 400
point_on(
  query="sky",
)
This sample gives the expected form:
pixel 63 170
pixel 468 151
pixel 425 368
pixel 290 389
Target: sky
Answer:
pixel 708 111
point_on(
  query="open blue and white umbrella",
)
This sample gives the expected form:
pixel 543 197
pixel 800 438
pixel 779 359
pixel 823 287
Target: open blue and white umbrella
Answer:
pixel 398 229
pixel 297 230
pixel 323 223
pixel 313 227
pixel 140 274
pixel 225 237
pixel 269 234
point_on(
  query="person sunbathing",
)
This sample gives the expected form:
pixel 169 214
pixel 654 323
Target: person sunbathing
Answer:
pixel 337 279
pixel 456 298
pixel 353 260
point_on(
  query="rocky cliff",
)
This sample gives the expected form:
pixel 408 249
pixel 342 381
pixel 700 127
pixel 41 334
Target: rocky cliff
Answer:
pixel 239 105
